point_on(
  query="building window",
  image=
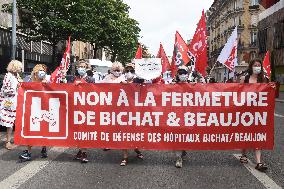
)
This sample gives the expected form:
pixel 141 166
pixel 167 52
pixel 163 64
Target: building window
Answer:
pixel 262 40
pixel 254 20
pixel 252 55
pixel 254 2
pixel 253 38
pixel 235 4
pixel 278 35
pixel 240 3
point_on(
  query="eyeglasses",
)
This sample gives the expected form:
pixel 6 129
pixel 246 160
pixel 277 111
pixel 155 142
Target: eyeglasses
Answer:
pixel 131 71
pixel 116 70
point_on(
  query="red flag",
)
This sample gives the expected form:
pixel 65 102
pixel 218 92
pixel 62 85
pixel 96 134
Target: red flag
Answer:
pixel 59 72
pixel 65 63
pixel 266 64
pixel 139 53
pixel 198 47
pixel 57 75
pixel 180 54
pixel 165 61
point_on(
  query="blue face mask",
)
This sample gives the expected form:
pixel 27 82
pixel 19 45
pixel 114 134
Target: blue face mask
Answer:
pixel 81 71
pixel 41 74
pixel 183 77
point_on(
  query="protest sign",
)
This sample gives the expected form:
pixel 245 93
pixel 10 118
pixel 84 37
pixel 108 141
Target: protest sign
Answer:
pixel 161 117
pixel 148 68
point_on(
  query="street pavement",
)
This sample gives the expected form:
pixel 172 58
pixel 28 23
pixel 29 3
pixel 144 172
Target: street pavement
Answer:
pixel 202 169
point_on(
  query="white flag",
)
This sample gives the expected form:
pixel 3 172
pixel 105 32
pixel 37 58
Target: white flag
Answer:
pixel 228 56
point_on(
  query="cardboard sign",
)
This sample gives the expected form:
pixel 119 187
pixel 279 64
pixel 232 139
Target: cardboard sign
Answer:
pixel 148 68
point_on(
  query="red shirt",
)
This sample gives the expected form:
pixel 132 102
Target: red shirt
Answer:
pixel 158 80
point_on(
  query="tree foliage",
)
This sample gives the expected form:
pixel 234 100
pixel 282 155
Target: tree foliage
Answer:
pixel 106 23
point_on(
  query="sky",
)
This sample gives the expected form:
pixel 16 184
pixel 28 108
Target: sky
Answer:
pixel 160 19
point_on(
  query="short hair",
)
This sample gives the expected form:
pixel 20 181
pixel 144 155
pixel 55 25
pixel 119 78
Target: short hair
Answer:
pixel 36 69
pixel 130 65
pixel 117 65
pixel 83 61
pixel 14 66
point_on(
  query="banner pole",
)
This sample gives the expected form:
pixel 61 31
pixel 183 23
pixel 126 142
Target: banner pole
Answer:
pixel 212 69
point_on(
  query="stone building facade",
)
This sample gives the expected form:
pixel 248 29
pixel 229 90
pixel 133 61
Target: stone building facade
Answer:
pixel 222 17
pixel 271 38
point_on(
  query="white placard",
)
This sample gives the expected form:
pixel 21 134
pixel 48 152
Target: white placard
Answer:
pixel 148 68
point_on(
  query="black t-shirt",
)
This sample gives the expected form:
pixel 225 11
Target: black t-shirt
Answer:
pixel 137 80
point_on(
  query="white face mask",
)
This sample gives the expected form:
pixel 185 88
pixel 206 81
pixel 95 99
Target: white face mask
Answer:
pixel 148 81
pixel 256 70
pixel 41 74
pixel 116 74
pixel 129 76
pixel 183 77
pixel 19 70
pixel 81 71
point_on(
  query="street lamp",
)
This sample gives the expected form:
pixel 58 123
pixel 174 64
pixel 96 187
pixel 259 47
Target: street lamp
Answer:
pixel 14 44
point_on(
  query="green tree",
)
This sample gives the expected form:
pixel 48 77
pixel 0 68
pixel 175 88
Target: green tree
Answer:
pixel 105 23
pixel 117 31
pixel 51 20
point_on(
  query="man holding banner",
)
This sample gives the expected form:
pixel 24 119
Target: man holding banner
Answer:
pixel 129 72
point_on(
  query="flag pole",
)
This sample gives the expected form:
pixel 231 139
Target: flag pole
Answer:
pixel 14 34
pixel 213 68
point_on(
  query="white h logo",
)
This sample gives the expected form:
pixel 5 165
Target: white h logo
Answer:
pixel 51 116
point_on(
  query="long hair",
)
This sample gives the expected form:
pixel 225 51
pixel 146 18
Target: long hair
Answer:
pixel 35 71
pixel 260 77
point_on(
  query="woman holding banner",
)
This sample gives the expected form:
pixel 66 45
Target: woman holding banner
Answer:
pixel 182 77
pixel 115 75
pixel 38 75
pixel 129 73
pixel 255 74
pixel 8 99
pixel 81 76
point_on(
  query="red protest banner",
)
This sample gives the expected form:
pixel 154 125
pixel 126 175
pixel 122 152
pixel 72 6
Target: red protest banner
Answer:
pixel 161 117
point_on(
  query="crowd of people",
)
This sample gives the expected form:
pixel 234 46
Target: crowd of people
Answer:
pixel 117 74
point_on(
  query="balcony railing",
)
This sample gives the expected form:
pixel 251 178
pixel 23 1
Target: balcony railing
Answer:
pixel 238 9
pixel 252 26
pixel 254 7
pixel 241 27
pixel 253 45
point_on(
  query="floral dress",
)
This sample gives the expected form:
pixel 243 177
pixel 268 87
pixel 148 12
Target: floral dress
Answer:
pixel 8 100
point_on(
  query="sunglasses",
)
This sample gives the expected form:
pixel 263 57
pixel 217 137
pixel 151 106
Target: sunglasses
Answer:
pixel 116 70
pixel 131 71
